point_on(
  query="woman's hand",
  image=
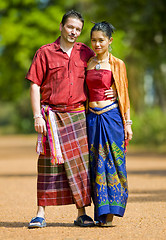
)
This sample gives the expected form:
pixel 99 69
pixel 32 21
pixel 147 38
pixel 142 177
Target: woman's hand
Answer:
pixel 128 132
pixel 111 93
pixel 40 125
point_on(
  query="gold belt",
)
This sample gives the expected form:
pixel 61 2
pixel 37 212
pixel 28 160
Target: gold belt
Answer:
pixel 105 109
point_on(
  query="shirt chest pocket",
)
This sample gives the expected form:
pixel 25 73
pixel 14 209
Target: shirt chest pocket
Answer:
pixel 56 70
pixel 80 67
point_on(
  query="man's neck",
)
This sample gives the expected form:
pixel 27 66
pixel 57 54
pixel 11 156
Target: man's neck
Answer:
pixel 66 46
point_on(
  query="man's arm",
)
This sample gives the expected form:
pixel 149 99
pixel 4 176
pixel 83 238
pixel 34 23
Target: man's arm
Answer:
pixel 111 93
pixel 39 122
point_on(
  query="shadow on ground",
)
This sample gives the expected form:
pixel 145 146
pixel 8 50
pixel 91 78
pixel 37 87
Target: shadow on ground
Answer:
pixel 25 224
pixel 156 172
pixel 147 196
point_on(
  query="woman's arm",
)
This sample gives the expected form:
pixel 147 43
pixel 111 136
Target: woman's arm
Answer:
pixel 127 128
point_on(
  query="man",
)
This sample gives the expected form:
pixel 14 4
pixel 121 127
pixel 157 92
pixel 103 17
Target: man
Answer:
pixel 58 96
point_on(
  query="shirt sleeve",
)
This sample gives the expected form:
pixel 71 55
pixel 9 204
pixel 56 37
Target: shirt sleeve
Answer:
pixel 86 52
pixel 90 53
pixel 37 70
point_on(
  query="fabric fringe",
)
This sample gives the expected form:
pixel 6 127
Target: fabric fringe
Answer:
pixel 52 135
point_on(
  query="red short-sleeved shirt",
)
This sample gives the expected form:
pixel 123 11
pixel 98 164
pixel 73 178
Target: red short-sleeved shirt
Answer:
pixel 60 77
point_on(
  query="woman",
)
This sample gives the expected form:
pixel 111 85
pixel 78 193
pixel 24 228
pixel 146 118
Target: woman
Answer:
pixel 109 127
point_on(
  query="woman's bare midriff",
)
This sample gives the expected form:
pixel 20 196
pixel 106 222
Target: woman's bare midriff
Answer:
pixel 100 104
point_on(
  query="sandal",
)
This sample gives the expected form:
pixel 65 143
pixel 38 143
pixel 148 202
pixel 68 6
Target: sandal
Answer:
pixel 100 224
pixel 37 222
pixel 107 224
pixel 81 221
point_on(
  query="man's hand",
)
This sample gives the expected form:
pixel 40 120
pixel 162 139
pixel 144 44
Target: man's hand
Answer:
pixel 40 125
pixel 111 93
pixel 39 122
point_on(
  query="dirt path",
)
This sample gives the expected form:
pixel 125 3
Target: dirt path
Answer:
pixel 145 216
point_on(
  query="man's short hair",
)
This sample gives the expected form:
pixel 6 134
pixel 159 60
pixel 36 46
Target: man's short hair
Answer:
pixel 72 14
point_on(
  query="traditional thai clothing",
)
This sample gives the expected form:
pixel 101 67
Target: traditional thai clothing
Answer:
pixel 106 141
pixel 67 183
pixel 107 162
pixel 118 69
pixel 63 167
pixel 61 78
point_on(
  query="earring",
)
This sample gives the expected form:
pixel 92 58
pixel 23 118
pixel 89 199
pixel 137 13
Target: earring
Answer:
pixel 109 48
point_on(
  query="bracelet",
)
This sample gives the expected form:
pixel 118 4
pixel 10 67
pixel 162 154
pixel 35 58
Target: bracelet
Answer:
pixel 37 116
pixel 129 122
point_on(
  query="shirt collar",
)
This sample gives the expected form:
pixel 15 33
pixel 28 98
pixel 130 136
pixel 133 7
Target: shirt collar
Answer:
pixel 57 44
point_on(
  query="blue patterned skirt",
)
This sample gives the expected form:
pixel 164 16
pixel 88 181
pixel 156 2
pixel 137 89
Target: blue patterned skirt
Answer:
pixel 107 162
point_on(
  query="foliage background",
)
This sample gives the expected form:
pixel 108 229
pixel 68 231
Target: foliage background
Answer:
pixel 139 39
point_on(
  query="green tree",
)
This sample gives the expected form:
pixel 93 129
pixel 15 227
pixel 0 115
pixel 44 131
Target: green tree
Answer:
pixel 139 39
pixel 143 22
pixel 24 27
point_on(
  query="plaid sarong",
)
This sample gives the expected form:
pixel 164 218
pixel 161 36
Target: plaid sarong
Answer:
pixel 66 183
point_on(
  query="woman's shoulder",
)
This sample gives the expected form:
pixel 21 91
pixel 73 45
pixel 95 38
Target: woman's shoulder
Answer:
pixel 92 59
pixel 90 63
pixel 116 60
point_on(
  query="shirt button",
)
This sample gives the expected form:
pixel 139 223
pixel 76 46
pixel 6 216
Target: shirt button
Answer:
pixel 71 83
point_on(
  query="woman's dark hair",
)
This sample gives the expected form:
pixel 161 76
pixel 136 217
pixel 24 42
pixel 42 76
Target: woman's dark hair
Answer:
pixel 72 14
pixel 105 27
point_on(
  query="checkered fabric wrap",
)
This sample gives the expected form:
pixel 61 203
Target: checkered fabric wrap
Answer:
pixel 66 183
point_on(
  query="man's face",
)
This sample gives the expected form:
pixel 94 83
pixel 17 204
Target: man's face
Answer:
pixel 71 30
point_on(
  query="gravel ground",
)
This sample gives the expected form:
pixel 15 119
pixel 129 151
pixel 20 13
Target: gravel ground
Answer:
pixel 145 216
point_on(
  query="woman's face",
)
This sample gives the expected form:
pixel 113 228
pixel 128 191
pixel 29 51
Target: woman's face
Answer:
pixel 100 42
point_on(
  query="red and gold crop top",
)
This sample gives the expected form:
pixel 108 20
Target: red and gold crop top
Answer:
pixel 98 81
